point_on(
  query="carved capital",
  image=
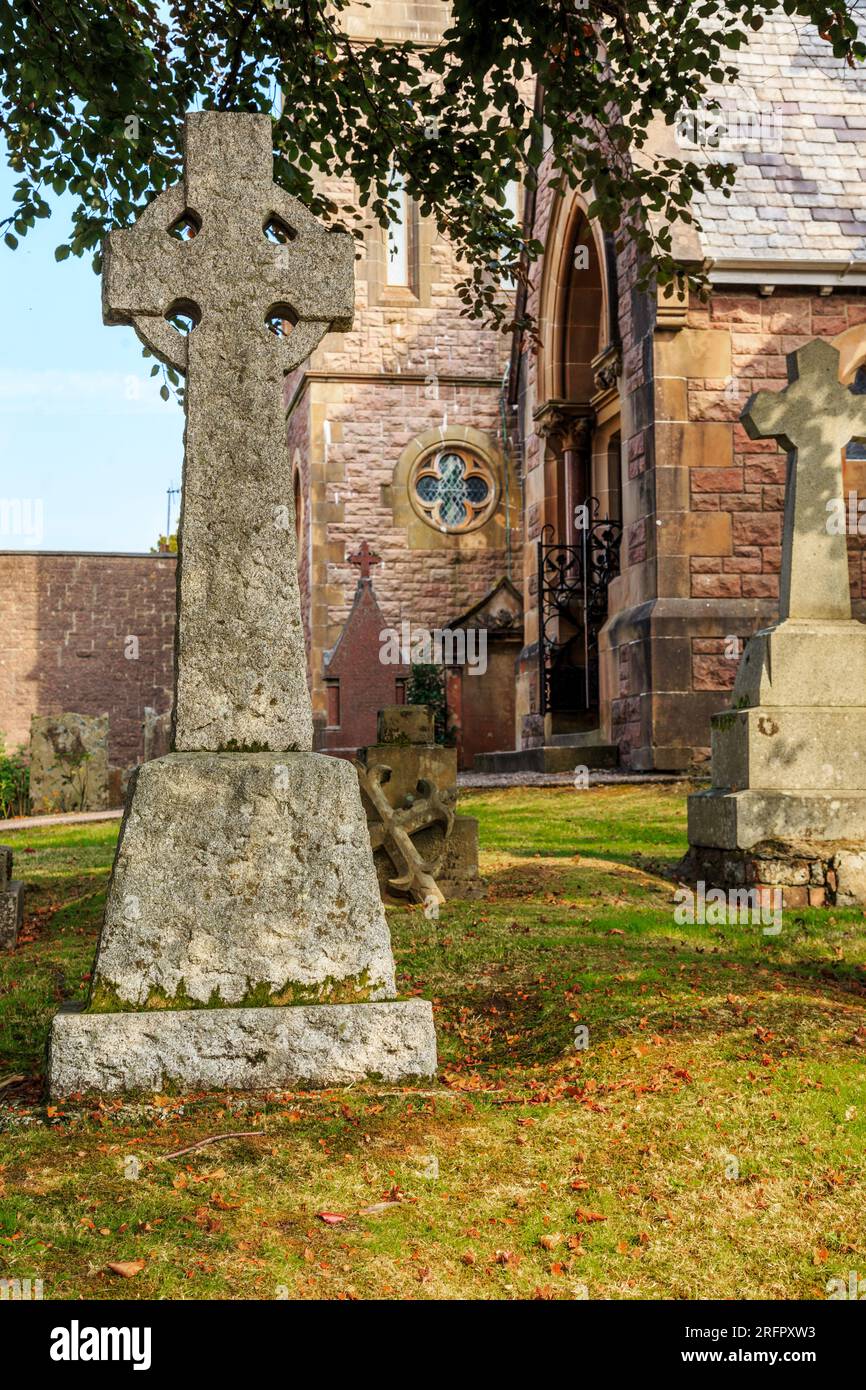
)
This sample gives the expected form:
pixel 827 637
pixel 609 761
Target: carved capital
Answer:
pixel 564 424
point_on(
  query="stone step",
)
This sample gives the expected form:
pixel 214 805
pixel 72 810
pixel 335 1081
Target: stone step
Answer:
pixel 550 758
pixel 588 738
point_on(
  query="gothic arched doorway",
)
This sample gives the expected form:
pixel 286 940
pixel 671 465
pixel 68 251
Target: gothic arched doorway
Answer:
pixel 578 550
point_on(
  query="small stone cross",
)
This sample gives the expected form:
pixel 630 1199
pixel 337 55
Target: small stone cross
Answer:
pixel 240 674
pixel 814 418
pixel 364 559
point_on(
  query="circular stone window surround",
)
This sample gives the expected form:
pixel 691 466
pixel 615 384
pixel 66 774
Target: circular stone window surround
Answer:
pixel 453 485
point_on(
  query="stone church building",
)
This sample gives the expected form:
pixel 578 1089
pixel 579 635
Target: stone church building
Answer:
pixel 396 434
pixel 593 508
pixel 633 622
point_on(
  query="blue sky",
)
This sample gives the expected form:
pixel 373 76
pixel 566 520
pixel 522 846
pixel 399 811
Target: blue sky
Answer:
pixel 87 448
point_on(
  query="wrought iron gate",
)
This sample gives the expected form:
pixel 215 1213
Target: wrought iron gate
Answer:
pixel 572 592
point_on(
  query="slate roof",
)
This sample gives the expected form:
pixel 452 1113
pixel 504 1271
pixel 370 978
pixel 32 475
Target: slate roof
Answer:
pixel 797 134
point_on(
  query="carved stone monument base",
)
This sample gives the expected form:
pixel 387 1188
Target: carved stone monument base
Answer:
pixel 242 881
pixel 241 1049
pixel 806 873
pixel 408 782
pixel 787 807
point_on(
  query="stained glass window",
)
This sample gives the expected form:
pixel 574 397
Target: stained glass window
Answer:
pixel 453 488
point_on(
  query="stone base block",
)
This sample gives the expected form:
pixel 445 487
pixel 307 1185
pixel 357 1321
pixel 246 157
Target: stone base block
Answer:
pixel 68 763
pixel 792 875
pixel 247 1049
pixel 11 914
pixel 806 875
pixel 788 665
pixel 771 749
pixel 740 820
pixel 549 758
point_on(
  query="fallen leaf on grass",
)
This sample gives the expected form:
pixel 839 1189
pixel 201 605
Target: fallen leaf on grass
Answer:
pixel 583 1215
pixel 551 1241
pixel 331 1218
pixel 127 1269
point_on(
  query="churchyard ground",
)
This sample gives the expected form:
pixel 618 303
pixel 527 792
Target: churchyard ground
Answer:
pixel 707 1142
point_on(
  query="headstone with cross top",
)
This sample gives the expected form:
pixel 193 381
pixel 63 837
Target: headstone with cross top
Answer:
pixel 240 670
pixel 814 418
pixel 243 901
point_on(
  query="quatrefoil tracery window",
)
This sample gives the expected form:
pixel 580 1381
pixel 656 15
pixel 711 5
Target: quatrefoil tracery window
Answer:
pixel 453 488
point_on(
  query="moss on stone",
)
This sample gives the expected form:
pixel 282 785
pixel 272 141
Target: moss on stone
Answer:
pixel 234 747
pixel 352 989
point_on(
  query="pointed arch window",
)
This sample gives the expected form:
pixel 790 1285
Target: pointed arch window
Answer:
pixel 398 249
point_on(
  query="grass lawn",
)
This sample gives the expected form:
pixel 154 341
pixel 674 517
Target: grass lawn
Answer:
pixel 708 1142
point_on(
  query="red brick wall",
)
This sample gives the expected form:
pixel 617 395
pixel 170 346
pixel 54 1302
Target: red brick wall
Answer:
pixel 64 620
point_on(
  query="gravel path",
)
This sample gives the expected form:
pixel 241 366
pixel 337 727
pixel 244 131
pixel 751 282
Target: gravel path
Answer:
pixel 65 818
pixel 565 779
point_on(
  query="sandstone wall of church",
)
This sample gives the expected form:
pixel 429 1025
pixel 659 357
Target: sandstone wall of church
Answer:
pixel 744 479
pixel 411 364
pixel 702 503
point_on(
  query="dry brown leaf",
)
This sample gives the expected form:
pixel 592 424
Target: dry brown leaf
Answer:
pixel 127 1269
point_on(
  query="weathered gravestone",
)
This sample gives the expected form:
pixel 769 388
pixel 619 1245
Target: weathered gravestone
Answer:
pixel 787 806
pixel 69 763
pixel 422 849
pixel 11 902
pixel 244 943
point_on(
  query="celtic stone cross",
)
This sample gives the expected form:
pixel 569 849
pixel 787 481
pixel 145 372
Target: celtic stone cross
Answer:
pixel 814 418
pixel 240 679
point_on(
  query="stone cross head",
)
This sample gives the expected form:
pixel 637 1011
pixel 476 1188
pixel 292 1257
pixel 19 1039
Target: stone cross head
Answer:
pixel 363 559
pixel 252 255
pixel 813 418
pixel 231 250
